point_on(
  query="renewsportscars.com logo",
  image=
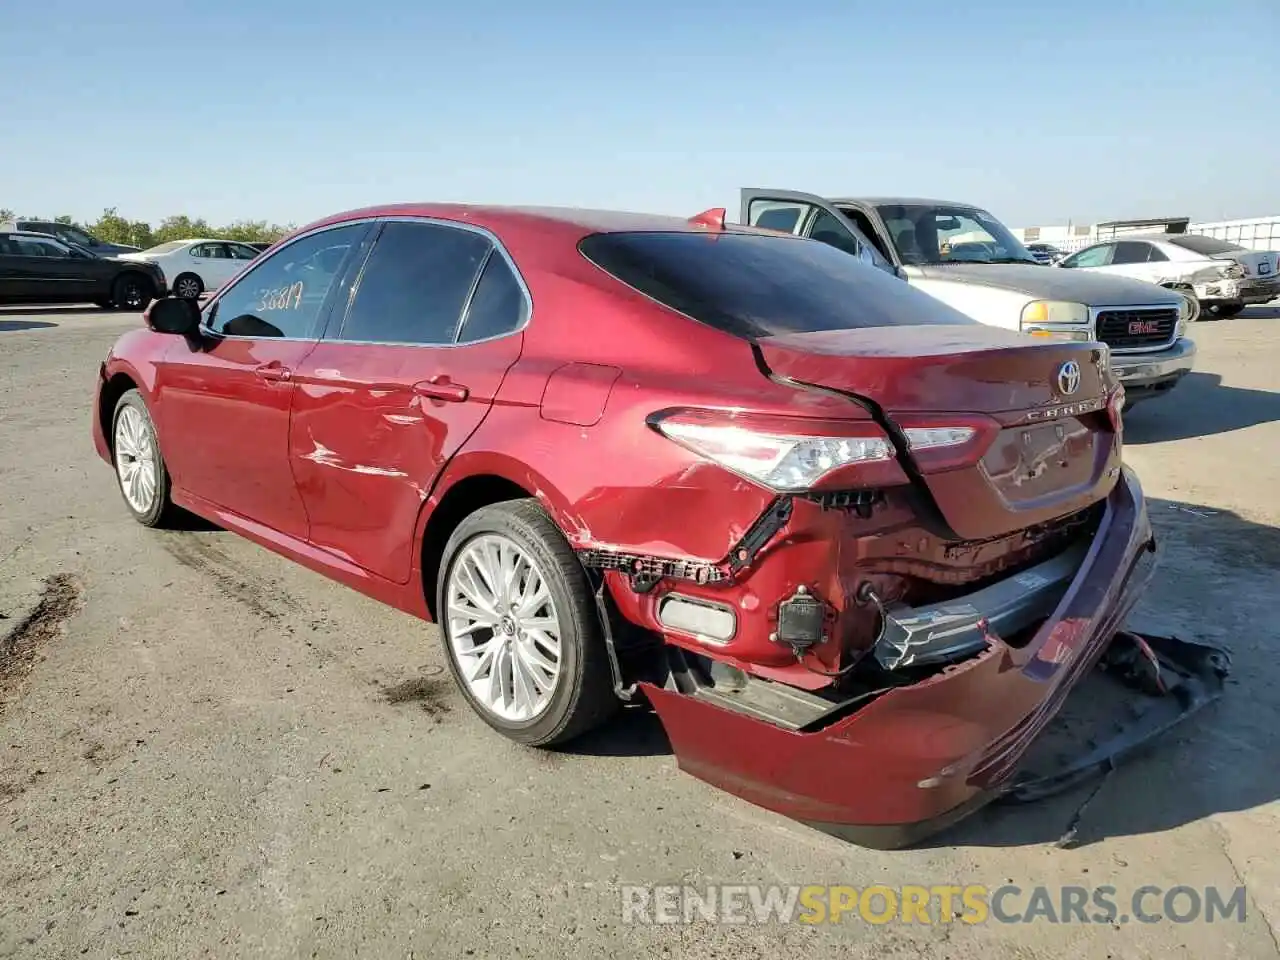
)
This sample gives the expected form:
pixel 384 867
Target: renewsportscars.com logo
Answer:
pixel 936 904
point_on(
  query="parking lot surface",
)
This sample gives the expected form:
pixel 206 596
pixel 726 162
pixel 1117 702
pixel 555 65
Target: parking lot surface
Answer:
pixel 206 750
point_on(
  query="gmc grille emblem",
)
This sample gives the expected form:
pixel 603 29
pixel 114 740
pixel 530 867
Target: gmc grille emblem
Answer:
pixel 1144 326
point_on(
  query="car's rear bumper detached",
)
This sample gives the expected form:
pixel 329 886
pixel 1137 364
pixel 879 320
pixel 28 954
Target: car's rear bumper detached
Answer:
pixel 1143 373
pixel 921 756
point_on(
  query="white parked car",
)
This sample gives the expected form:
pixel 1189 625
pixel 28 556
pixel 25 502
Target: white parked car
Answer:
pixel 196 266
pixel 1226 277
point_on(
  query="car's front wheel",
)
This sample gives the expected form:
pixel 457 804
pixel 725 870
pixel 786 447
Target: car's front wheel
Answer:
pixel 520 626
pixel 131 291
pixel 188 286
pixel 140 469
pixel 1223 311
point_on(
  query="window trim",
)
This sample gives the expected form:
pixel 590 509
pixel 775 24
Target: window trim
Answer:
pixel 326 307
pixel 494 245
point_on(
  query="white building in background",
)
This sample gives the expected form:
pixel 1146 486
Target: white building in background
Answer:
pixel 1256 233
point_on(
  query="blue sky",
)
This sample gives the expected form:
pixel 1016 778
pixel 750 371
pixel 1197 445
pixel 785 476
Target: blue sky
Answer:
pixel 287 111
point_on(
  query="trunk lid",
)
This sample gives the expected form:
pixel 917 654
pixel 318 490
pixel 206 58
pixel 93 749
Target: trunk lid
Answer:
pixel 1256 263
pixel 1045 445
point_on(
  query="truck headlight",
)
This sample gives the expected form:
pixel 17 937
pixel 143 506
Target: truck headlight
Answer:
pixel 1059 319
pixel 1188 311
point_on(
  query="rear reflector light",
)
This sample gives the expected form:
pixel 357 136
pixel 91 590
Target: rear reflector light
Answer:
pixel 709 622
pixel 1115 410
pixel 929 438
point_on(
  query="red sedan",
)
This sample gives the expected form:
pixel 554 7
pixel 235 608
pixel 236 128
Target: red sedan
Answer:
pixel 853 547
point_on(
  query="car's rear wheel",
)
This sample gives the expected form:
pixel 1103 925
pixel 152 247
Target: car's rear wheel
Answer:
pixel 140 468
pixel 520 626
pixel 188 286
pixel 132 291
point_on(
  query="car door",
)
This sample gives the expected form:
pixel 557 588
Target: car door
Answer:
pixel 13 286
pixel 1133 258
pixel 224 398
pixel 404 376
pixel 212 261
pixel 51 272
pixel 810 216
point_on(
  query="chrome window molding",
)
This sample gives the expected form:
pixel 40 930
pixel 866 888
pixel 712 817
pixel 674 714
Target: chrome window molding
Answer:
pixel 495 244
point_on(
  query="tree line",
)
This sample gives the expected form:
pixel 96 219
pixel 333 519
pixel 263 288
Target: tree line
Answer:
pixel 114 228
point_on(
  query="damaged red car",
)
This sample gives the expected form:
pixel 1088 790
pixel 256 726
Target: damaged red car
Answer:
pixel 853 547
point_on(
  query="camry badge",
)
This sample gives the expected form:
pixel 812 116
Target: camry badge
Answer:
pixel 1069 378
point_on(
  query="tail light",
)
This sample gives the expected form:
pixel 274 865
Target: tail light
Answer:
pixel 792 454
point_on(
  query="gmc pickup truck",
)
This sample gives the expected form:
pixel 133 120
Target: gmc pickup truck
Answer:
pixel 968 259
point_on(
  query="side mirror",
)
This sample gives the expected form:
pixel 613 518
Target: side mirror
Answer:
pixel 176 315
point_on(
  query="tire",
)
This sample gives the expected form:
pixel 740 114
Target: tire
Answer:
pixel 132 429
pixel 188 286
pixel 132 291
pixel 580 696
pixel 1223 311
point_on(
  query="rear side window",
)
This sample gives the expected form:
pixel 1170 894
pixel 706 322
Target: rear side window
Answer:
pixel 415 285
pixel 498 306
pixel 756 286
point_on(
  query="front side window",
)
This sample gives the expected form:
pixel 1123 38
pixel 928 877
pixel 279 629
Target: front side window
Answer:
pixel 1098 256
pixel 756 285
pixel 776 215
pixel 240 251
pixel 35 247
pixel 415 284
pixel 283 295
pixel 935 234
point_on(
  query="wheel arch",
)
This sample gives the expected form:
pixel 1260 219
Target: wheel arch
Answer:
pixel 469 483
pixel 115 387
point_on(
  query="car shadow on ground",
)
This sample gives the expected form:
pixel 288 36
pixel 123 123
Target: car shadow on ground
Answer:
pixel 1201 405
pixel 50 310
pixel 12 326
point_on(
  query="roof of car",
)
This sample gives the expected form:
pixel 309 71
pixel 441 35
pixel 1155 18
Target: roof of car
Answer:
pixel 572 220
pixel 902 201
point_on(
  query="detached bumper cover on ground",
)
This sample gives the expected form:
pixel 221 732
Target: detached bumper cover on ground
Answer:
pixel 920 757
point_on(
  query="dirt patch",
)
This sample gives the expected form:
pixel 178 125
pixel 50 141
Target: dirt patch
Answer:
pixel 431 693
pixel 197 552
pixel 20 647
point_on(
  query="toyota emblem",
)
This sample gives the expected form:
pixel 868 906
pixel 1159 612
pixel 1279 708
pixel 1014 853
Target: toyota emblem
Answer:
pixel 1068 378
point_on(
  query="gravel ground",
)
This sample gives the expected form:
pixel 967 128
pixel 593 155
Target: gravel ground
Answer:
pixel 208 751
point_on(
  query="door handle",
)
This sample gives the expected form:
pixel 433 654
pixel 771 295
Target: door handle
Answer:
pixel 439 388
pixel 273 372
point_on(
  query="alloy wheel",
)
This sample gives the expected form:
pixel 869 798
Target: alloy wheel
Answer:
pixel 132 296
pixel 136 461
pixel 503 631
pixel 187 288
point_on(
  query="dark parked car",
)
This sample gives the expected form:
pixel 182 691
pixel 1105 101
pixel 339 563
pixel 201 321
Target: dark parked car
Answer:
pixel 69 235
pixel 1045 252
pixel 853 546
pixel 36 268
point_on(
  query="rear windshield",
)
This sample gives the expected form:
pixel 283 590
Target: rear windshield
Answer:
pixel 761 286
pixel 165 247
pixel 1205 245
